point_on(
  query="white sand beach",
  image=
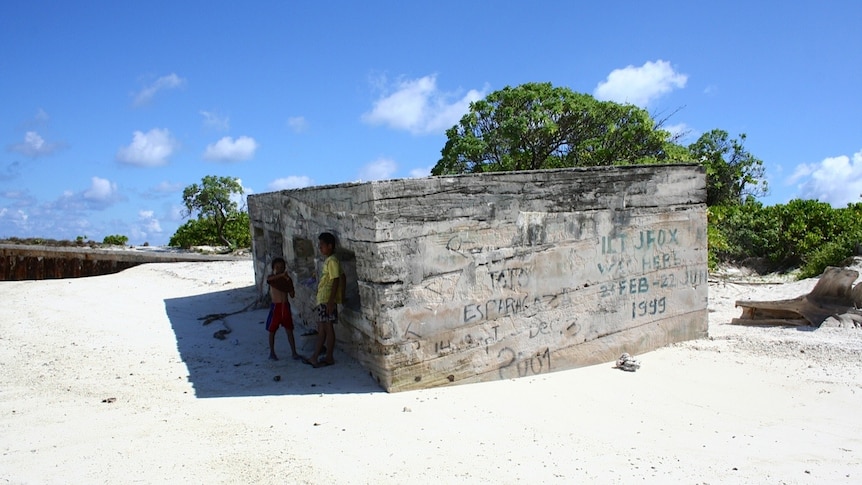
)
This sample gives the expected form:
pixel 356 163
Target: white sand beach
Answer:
pixel 115 379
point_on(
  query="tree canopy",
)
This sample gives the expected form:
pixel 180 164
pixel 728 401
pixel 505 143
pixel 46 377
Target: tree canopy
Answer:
pixel 216 211
pixel 537 126
pixel 732 173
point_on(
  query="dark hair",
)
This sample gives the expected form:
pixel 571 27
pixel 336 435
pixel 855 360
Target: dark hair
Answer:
pixel 327 238
pixel 277 260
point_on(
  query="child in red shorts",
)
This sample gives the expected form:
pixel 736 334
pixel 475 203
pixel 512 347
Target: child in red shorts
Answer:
pixel 280 287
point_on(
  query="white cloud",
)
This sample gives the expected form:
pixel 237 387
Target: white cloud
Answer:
pixel 215 121
pixel 420 172
pixel 41 116
pixel 297 124
pixel 101 194
pixel 640 85
pixel 682 133
pixel 242 199
pixel 101 190
pixel 677 129
pixel 836 180
pixel 35 146
pixel 161 190
pixel 171 81
pixel 417 106
pixel 145 228
pixel 148 221
pixel 291 182
pixel 801 171
pixel 17 218
pixel 10 171
pixel 379 169
pixel 168 187
pixel 67 217
pixel 245 190
pixel 15 194
pixel 229 150
pixel 176 213
pixel 149 149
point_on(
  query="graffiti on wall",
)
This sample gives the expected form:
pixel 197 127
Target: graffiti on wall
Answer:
pixel 638 271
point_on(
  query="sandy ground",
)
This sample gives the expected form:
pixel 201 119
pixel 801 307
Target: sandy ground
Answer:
pixel 114 379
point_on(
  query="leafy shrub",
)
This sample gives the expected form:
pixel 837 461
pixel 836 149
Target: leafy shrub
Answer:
pixel 716 239
pixel 203 232
pixel 833 253
pixel 802 233
pixel 195 232
pixel 116 239
pixel 739 231
pixel 238 231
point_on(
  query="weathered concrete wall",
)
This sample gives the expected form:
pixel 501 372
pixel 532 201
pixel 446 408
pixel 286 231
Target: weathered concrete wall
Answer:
pixel 30 262
pixel 479 277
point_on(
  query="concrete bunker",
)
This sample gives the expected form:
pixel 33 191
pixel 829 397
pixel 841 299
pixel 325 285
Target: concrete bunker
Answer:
pixel 479 277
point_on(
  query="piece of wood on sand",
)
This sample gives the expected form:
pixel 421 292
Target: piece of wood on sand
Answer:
pixel 833 302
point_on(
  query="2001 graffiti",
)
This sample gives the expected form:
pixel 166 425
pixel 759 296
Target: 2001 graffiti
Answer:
pixel 533 365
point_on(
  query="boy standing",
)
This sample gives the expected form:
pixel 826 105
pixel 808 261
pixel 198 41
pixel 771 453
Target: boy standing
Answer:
pixel 280 287
pixel 329 294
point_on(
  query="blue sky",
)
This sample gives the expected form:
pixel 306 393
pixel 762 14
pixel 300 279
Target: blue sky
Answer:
pixel 109 109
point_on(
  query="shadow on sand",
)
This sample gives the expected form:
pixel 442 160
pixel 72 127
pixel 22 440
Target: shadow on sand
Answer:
pixel 238 365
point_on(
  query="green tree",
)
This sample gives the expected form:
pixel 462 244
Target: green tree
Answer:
pixel 195 232
pixel 116 239
pixel 202 232
pixel 538 126
pixel 211 201
pixel 732 173
pixel 806 234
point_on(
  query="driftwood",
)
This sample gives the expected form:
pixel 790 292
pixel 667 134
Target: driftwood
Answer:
pixel 833 302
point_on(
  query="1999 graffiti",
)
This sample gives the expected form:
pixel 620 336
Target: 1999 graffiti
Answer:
pixel 643 308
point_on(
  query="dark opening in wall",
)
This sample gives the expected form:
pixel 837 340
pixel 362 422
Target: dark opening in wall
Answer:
pixel 347 259
pixel 274 244
pixel 303 263
pixel 258 239
pixel 307 273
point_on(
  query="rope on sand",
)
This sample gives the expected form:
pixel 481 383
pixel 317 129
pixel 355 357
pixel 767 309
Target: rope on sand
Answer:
pixel 222 334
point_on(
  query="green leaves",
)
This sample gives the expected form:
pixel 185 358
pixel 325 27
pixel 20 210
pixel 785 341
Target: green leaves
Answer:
pixel 116 239
pixel 538 126
pixel 203 232
pixel 212 197
pixel 802 233
pixel 217 214
pixel 732 173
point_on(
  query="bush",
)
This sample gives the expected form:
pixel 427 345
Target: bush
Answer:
pixel 833 253
pixel 116 239
pixel 716 239
pixel 203 232
pixel 238 231
pixel 802 233
pixel 195 232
